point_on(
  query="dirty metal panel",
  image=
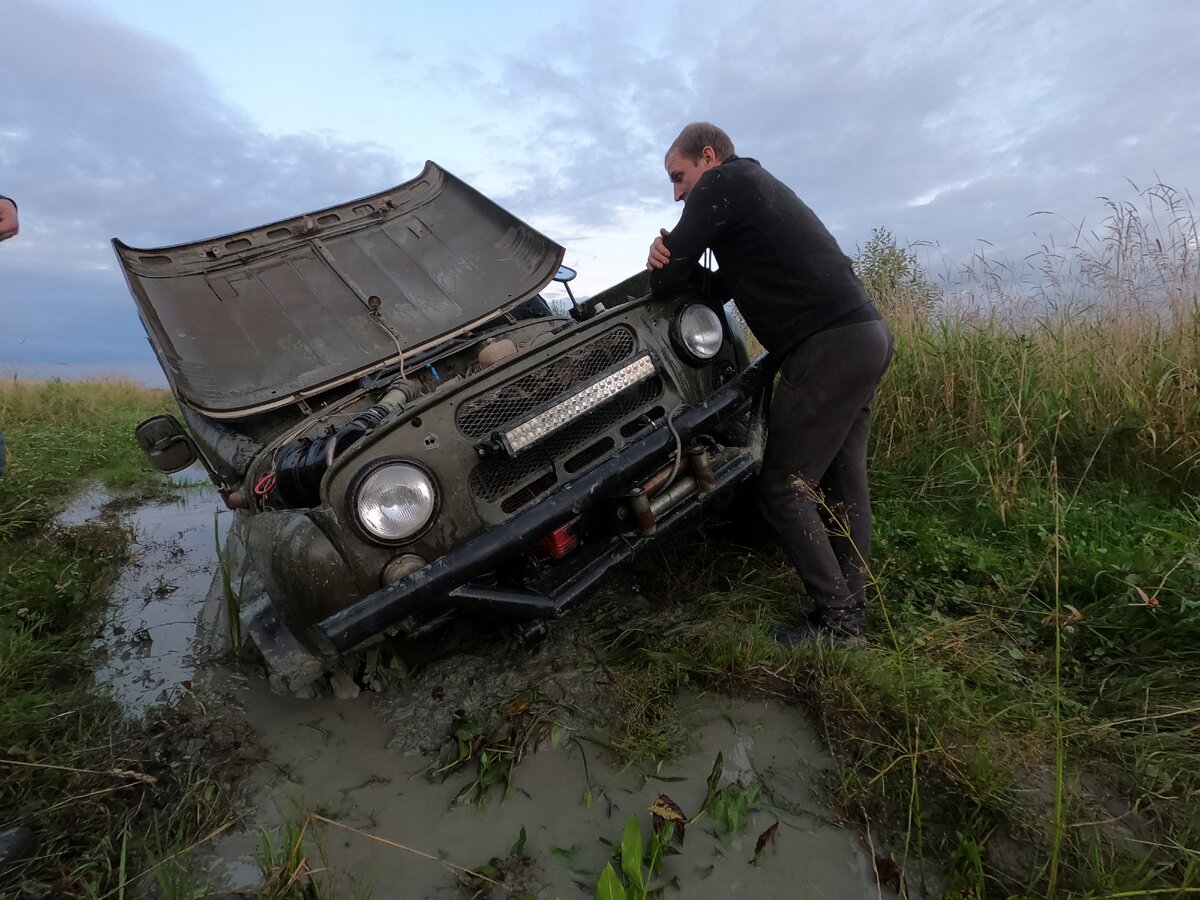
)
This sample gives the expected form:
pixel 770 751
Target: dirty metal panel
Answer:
pixel 248 321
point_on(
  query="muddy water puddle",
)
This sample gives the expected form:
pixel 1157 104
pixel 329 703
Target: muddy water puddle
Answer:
pixel 145 648
pixel 395 832
pixel 402 835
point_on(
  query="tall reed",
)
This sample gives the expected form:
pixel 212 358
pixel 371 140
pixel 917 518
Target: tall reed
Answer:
pixel 1092 348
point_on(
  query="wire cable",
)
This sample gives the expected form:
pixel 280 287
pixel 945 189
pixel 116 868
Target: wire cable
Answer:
pixel 378 320
pixel 265 485
pixel 678 442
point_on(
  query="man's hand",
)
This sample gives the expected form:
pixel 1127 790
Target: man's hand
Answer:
pixel 8 219
pixel 659 254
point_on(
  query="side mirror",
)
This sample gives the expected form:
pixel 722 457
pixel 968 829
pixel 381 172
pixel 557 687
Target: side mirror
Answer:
pixel 578 313
pixel 166 444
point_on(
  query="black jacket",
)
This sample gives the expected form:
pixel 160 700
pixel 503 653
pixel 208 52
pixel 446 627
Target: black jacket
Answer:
pixel 778 262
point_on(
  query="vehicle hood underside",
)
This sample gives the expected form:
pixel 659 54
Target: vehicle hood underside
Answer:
pixel 253 320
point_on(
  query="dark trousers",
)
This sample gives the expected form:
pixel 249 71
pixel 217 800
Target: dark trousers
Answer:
pixel 813 482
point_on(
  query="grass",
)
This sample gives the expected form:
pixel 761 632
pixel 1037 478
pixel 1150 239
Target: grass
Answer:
pixel 283 859
pixel 1027 713
pixel 493 749
pixel 59 435
pixel 108 798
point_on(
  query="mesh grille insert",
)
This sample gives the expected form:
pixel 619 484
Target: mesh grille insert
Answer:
pixel 482 415
pixel 498 475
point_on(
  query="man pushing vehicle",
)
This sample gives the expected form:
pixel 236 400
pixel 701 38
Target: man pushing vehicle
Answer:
pixel 800 297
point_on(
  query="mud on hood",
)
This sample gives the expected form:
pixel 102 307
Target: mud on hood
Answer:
pixel 253 320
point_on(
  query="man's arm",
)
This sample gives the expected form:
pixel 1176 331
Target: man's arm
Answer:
pixel 704 216
pixel 9 225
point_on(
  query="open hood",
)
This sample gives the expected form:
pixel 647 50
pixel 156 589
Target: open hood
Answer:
pixel 253 320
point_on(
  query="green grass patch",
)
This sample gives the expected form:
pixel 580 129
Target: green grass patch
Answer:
pixel 110 800
pixel 61 435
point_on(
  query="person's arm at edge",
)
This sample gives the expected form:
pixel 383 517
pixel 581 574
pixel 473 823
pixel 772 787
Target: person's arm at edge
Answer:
pixel 9 224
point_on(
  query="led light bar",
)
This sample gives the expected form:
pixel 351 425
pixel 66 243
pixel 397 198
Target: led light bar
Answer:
pixel 566 411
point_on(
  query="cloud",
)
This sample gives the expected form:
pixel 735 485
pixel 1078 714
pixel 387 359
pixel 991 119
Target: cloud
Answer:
pixel 584 102
pixel 985 113
pixel 106 132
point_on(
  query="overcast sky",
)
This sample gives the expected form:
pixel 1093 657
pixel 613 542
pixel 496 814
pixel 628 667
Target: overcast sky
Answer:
pixel 945 122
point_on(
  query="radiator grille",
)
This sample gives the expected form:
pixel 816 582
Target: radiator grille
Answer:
pixel 498 475
pixel 482 415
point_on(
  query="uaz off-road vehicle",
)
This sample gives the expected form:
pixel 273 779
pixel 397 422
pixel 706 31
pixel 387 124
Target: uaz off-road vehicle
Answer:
pixel 407 431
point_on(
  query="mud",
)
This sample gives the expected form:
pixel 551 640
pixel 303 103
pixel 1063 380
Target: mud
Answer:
pixel 339 758
pixel 365 764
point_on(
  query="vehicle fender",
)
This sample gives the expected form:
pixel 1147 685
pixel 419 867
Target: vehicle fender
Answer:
pixel 303 573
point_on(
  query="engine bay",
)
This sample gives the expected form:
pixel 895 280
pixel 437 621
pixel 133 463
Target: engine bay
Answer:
pixel 288 475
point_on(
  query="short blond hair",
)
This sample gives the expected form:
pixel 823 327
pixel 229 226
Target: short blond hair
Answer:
pixel 695 137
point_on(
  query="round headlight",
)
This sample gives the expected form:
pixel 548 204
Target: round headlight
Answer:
pixel 698 330
pixel 395 501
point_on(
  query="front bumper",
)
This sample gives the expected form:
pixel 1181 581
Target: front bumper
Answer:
pixel 449 582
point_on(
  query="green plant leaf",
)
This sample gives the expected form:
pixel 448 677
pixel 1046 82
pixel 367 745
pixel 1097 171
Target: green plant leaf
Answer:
pixel 518 849
pixel 730 807
pixel 631 855
pixel 609 887
pixel 714 777
pixel 567 854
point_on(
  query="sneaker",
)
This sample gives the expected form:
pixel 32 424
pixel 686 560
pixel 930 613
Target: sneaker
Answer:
pixel 833 627
pixel 848 621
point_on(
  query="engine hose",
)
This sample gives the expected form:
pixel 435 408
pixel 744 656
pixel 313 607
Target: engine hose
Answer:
pixel 302 464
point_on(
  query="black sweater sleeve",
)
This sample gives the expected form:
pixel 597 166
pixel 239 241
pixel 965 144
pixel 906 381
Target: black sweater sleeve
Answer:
pixel 705 214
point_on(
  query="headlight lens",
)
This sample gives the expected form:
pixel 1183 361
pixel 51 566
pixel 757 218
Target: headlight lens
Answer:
pixel 699 331
pixel 395 501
